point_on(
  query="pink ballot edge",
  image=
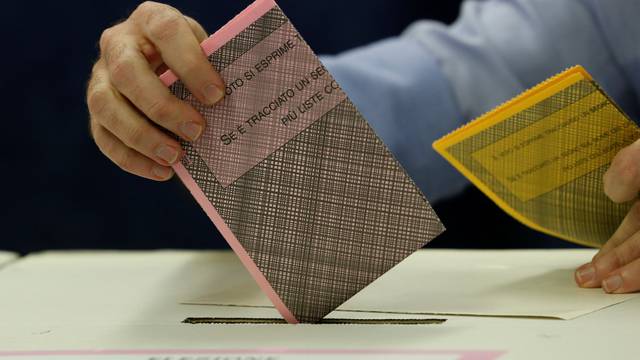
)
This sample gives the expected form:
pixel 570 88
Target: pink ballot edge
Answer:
pixel 460 354
pixel 228 235
pixel 244 19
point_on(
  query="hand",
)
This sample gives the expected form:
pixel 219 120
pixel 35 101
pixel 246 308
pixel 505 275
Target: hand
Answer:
pixel 126 99
pixel 616 267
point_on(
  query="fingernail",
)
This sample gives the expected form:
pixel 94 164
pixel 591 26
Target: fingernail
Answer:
pixel 587 274
pixel 612 284
pixel 161 172
pixel 167 153
pixel 584 266
pixel 191 130
pixel 213 94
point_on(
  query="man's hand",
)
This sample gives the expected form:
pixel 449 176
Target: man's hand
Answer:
pixel 616 267
pixel 126 99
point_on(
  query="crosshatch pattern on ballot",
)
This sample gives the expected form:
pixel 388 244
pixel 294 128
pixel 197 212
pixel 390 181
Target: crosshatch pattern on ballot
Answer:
pixel 284 83
pixel 325 214
pixel 577 210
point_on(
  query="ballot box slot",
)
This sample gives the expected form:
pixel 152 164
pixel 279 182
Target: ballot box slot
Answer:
pixel 271 321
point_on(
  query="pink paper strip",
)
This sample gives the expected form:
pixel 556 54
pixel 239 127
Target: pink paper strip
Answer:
pixel 213 43
pixel 463 354
pixel 246 260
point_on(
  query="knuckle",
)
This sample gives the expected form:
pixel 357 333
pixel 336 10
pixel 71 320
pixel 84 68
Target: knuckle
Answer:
pixel 123 159
pixel 105 38
pixel 110 121
pixel 106 146
pixel 163 23
pixel 122 70
pixel 116 126
pixel 161 110
pixel 109 36
pixel 135 136
pixel 620 257
pixel 608 263
pixel 96 70
pixel 98 100
pixel 146 7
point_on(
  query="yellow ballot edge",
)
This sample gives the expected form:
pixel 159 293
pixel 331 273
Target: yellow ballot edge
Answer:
pixel 519 103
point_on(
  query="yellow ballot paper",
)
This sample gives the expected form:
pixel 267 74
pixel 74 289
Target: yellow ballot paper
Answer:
pixel 542 155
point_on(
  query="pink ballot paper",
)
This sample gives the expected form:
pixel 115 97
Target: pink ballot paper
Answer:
pixel 292 175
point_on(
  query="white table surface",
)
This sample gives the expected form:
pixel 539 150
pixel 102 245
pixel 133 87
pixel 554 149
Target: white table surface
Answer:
pixel 113 305
pixel 6 257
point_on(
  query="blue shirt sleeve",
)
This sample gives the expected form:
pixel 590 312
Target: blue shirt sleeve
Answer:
pixel 425 83
pixel 408 101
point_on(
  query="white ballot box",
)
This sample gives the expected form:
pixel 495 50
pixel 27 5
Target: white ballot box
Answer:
pixel 131 305
pixel 532 283
pixel 6 257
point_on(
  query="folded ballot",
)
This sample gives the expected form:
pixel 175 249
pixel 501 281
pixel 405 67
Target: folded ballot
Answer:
pixel 294 178
pixel 541 157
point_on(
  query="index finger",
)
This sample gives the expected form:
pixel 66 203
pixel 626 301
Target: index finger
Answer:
pixel 131 74
pixel 171 34
pixel 629 226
